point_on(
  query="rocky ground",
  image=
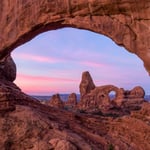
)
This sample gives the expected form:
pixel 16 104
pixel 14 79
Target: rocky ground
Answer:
pixel 42 127
pixel 26 124
pixel 36 126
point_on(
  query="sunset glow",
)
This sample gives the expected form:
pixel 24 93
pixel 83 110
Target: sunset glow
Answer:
pixel 54 61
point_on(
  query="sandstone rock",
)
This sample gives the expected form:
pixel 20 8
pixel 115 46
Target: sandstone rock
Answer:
pixel 137 92
pixel 125 22
pixel 72 101
pixel 59 144
pixel 99 99
pixel 32 125
pixel 9 94
pixel 8 69
pixel 6 100
pixel 132 99
pixel 40 127
pixel 56 101
pixel 86 84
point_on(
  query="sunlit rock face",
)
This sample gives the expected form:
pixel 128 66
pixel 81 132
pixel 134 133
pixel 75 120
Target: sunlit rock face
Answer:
pixel 125 22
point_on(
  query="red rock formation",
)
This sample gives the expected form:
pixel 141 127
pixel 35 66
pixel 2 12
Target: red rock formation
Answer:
pixel 98 98
pixel 8 69
pixel 33 125
pixel 39 127
pixel 125 22
pixel 86 84
pixel 137 92
pixel 6 101
pixel 72 101
pixel 56 101
pixel 59 144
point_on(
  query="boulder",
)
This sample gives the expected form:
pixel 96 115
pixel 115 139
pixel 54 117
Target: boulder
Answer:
pixel 72 100
pixel 8 69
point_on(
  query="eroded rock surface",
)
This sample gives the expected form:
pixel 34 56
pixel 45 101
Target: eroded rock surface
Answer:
pixel 41 127
pixel 6 100
pixel 32 125
pixel 8 69
pixel 137 92
pixel 86 84
pixel 99 99
pixel 59 144
pixel 72 101
pixel 56 101
pixel 125 22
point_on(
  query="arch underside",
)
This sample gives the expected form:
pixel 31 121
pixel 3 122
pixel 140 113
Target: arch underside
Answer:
pixel 125 22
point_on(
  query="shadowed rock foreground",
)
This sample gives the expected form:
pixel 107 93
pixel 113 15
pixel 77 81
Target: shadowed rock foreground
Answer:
pixel 25 123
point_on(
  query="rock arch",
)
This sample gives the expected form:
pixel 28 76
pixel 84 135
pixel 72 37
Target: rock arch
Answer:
pixel 125 22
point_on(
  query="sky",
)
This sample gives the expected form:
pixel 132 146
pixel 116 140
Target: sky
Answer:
pixel 53 62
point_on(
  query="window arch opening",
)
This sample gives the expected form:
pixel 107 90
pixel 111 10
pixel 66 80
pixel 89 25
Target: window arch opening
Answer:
pixel 54 61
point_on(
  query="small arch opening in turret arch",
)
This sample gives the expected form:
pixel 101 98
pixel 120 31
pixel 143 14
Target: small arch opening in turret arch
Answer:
pixel 53 62
pixel 112 95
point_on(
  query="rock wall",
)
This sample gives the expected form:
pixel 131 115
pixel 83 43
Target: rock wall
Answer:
pixel 125 22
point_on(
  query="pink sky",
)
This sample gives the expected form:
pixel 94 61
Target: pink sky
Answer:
pixel 54 61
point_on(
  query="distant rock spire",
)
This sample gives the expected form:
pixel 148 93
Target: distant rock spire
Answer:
pixel 56 101
pixel 86 84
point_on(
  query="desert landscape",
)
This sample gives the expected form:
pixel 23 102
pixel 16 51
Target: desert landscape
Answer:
pixel 94 119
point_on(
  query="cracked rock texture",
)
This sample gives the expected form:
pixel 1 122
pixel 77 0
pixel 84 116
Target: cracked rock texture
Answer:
pixel 41 127
pixel 126 22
